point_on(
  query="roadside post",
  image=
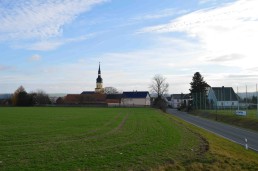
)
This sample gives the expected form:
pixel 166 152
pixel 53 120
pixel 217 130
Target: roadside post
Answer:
pixel 246 145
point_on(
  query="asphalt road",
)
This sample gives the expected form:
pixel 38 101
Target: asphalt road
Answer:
pixel 232 133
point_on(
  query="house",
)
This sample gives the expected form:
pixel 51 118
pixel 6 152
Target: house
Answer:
pixel 85 99
pixel 177 100
pixel 88 92
pixel 222 97
pixel 5 99
pixel 168 100
pixel 136 98
pixel 114 99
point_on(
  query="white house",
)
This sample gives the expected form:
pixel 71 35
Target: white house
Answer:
pixel 178 100
pixel 222 97
pixel 136 98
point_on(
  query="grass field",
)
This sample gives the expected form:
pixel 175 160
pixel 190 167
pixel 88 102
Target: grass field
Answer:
pixel 92 139
pixel 112 139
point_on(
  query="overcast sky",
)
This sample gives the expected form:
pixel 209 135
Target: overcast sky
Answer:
pixel 56 45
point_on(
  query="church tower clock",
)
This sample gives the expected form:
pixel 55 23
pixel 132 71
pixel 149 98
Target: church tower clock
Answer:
pixel 99 83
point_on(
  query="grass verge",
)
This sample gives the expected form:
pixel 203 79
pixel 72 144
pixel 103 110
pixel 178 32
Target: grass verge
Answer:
pixel 228 117
pixel 222 154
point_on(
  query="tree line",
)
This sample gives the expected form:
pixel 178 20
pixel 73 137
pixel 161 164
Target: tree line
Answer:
pixel 159 86
pixel 22 98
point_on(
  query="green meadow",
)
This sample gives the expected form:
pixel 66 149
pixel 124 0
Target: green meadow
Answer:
pixel 91 139
pixel 111 139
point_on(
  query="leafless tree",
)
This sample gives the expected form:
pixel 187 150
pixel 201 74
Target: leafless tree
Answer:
pixel 110 90
pixel 159 85
pixel 40 97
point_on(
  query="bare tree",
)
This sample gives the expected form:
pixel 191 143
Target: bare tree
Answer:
pixel 110 90
pixel 159 85
pixel 40 97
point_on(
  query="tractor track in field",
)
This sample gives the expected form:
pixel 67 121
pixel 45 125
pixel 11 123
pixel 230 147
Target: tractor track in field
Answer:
pixel 81 138
pixel 105 124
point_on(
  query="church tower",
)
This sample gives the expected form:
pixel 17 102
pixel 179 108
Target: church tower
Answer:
pixel 99 83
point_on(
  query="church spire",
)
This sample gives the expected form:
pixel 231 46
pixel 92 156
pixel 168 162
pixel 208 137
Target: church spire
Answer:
pixel 99 72
pixel 99 82
pixel 99 79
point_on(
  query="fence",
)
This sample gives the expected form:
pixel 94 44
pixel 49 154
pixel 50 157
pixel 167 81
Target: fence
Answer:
pixel 247 98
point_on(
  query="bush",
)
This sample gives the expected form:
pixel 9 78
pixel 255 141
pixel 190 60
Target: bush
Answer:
pixel 160 104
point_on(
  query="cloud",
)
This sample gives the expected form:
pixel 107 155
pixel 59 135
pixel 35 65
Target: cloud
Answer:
pixel 126 70
pixel 35 58
pixel 221 44
pixel 219 31
pixel 161 14
pixel 207 1
pixel 39 19
pixel 226 58
pixel 5 68
pixel 51 44
pixel 43 45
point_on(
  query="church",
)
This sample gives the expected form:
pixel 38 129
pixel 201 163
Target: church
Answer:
pixel 89 98
pixel 99 98
pixel 99 85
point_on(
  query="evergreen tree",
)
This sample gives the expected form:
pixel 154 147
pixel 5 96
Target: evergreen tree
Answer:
pixel 198 91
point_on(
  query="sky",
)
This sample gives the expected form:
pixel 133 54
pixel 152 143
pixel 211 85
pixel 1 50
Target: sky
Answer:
pixel 56 45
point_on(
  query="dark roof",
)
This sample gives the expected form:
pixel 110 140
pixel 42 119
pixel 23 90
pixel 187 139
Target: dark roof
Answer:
pixel 180 96
pixel 99 79
pixel 135 94
pixel 114 96
pixel 99 71
pixel 88 92
pixel 187 96
pixel 168 98
pixel 225 94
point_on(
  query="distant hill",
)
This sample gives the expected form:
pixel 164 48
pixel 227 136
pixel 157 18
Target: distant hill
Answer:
pixel 5 96
pixel 248 95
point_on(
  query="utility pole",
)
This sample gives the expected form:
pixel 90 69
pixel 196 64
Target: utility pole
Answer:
pixel 256 100
pixel 237 99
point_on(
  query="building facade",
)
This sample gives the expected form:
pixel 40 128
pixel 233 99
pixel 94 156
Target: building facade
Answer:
pixel 178 100
pixel 222 97
pixel 136 98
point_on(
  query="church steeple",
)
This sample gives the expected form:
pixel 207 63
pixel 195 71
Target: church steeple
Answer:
pixel 99 82
pixel 99 79
pixel 99 72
